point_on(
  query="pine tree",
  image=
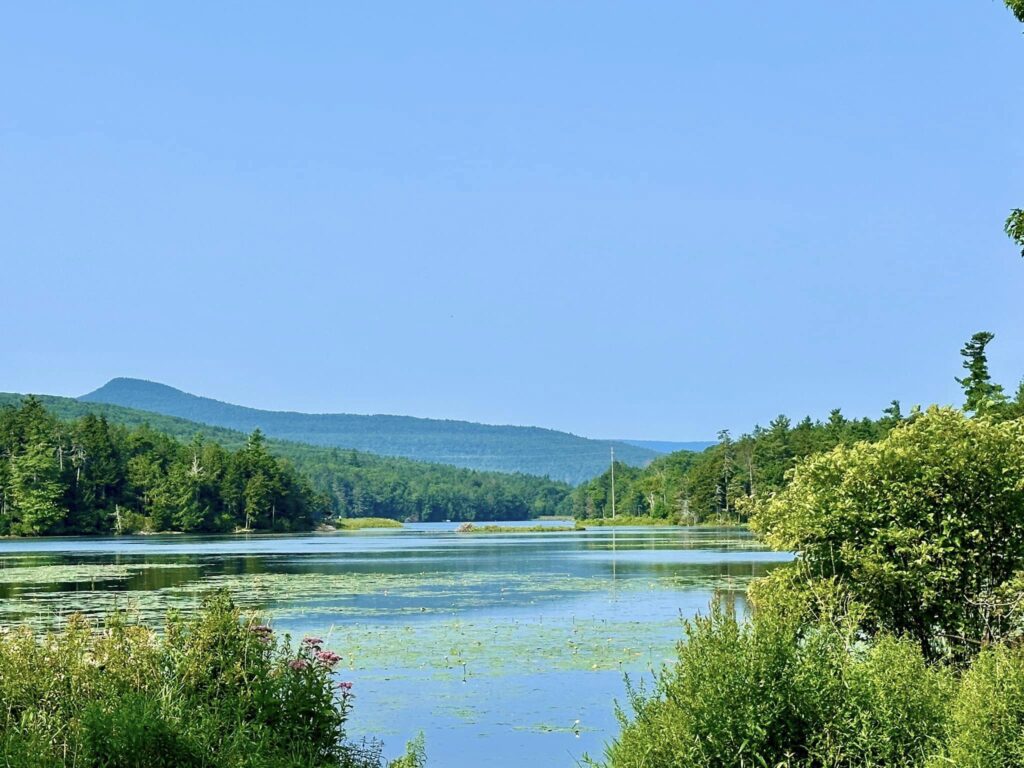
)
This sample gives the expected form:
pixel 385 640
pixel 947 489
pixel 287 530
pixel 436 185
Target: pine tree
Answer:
pixel 979 391
pixel 35 490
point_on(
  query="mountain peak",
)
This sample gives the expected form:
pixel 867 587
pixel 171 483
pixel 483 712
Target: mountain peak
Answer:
pixel 128 384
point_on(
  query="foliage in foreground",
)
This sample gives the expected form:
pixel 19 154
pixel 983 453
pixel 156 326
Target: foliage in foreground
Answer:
pixel 773 692
pixel 925 529
pixel 894 638
pixel 215 691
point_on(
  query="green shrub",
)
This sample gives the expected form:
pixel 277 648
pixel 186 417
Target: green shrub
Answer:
pixel 133 731
pixel 726 702
pixel 415 755
pixel 217 690
pixel 769 693
pixel 924 528
pixel 877 704
pixel 987 719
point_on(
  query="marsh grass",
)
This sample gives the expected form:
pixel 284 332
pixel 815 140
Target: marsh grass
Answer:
pixel 627 521
pixel 363 523
pixel 485 529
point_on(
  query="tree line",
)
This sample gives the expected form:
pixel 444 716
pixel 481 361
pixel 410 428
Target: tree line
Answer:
pixel 722 483
pixel 893 638
pixel 90 475
pixel 356 484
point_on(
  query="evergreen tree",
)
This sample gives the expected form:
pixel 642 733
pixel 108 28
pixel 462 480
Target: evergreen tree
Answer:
pixel 35 490
pixel 979 391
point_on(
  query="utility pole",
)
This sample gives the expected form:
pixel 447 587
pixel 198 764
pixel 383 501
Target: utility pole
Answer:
pixel 613 482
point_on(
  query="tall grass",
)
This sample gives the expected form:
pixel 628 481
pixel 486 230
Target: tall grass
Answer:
pixel 360 523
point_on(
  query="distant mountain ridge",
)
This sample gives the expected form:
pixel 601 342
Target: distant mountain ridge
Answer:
pixel 353 483
pixel 530 450
pixel 671 446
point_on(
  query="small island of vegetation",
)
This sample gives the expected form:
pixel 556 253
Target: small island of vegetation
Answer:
pixel 483 529
pixel 628 520
pixel 362 523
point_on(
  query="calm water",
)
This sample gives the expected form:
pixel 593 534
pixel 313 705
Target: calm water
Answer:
pixel 493 646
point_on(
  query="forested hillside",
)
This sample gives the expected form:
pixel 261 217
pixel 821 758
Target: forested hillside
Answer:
pixel 720 483
pixel 531 450
pixel 712 485
pixel 73 467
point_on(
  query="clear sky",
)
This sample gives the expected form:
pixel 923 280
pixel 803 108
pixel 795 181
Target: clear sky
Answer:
pixel 618 219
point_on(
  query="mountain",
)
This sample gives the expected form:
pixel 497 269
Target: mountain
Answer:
pixel 670 446
pixel 353 483
pixel 530 450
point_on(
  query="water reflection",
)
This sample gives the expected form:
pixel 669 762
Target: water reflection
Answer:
pixel 490 644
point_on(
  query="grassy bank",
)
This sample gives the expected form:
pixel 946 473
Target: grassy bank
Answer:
pixel 359 523
pixel 219 690
pixel 471 528
pixel 638 520
pixel 627 520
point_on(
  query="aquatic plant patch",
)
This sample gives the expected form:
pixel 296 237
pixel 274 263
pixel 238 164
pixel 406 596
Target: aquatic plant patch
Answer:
pixel 78 573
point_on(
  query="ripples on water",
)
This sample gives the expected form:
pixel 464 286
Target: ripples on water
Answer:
pixel 493 645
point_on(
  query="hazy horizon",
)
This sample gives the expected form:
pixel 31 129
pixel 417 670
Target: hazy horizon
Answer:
pixel 328 413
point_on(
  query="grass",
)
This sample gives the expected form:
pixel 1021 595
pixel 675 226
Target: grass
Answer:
pixel 472 528
pixel 629 520
pixel 638 520
pixel 360 523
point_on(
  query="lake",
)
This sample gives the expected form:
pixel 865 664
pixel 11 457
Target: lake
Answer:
pixel 504 649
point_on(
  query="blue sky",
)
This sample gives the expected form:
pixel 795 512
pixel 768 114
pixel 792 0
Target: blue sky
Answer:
pixel 619 219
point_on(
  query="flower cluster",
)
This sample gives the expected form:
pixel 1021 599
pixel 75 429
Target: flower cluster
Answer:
pixel 328 658
pixel 311 650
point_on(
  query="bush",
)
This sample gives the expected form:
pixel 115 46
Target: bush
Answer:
pixel 768 693
pixel 925 528
pixel 218 690
pixel 894 637
pixel 987 719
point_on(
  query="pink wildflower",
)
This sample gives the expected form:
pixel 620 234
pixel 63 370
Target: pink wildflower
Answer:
pixel 298 664
pixel 328 658
pixel 312 642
